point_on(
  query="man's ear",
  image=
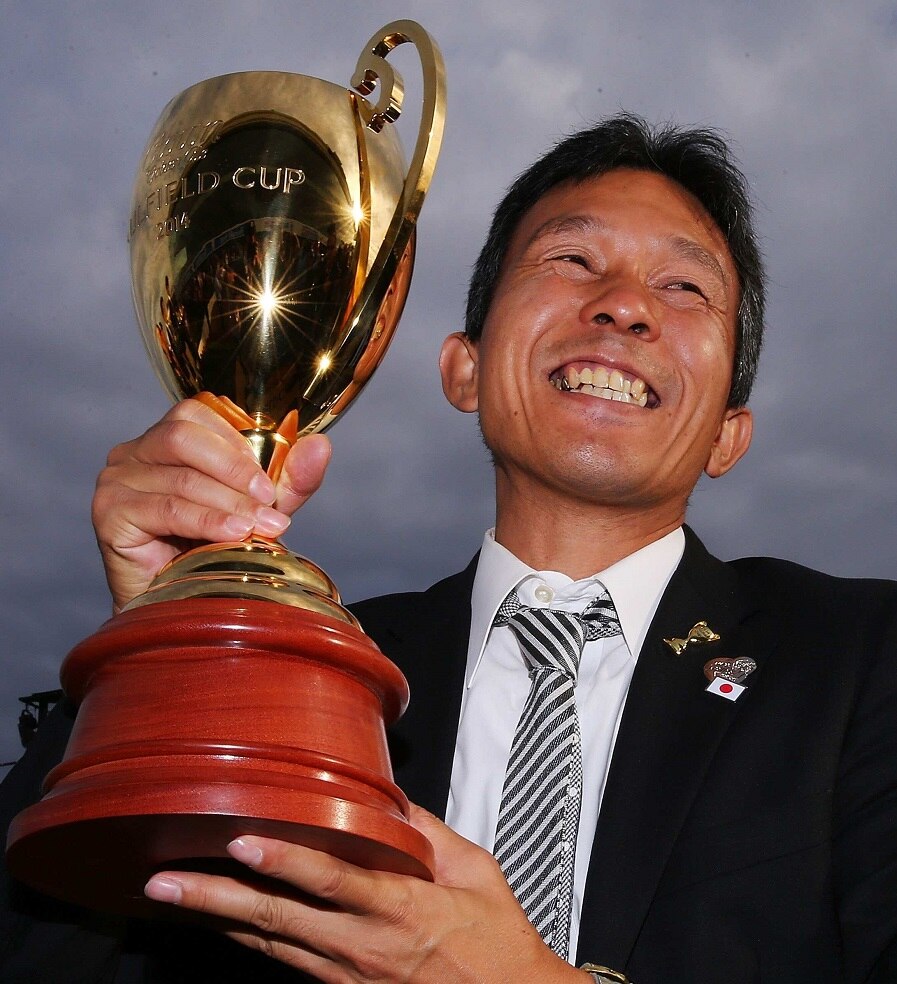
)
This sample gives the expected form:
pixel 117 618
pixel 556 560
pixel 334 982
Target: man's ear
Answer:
pixel 732 441
pixel 459 368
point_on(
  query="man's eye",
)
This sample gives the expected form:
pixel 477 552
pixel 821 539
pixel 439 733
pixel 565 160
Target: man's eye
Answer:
pixel 573 258
pixel 687 285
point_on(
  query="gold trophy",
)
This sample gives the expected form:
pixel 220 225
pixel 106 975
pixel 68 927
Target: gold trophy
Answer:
pixel 272 242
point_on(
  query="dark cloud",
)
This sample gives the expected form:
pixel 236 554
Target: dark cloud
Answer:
pixel 807 93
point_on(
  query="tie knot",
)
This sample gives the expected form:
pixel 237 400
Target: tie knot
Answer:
pixel 554 639
pixel 549 639
pixel 601 619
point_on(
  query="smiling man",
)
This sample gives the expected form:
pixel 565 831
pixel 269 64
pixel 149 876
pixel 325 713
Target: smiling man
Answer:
pixel 603 368
pixel 686 769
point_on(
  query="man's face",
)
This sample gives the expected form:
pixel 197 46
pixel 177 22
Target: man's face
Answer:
pixel 605 362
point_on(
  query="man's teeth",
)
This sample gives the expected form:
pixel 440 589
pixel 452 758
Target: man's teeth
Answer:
pixel 606 384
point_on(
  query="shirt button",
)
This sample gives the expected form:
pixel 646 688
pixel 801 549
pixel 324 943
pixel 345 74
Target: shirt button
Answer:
pixel 544 594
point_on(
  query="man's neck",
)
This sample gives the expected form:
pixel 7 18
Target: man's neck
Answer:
pixel 578 539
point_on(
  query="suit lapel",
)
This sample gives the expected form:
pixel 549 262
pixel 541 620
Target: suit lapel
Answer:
pixel 426 635
pixel 669 733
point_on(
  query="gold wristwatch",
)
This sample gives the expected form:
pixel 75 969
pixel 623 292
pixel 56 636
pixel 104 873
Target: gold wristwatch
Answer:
pixel 604 975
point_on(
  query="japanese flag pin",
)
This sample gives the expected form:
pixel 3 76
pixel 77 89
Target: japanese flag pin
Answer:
pixel 727 675
pixel 731 691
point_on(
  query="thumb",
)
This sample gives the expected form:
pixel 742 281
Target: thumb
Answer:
pixel 429 825
pixel 303 472
pixel 459 862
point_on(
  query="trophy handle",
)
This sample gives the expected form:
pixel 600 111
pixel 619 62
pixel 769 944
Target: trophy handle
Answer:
pixel 372 67
pixel 392 264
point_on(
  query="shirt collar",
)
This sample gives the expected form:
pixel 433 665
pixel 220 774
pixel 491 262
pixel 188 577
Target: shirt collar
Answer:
pixel 636 583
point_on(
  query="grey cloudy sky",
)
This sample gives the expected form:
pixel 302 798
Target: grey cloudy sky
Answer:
pixel 806 90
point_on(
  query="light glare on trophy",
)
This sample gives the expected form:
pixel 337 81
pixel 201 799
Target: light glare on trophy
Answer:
pixel 272 241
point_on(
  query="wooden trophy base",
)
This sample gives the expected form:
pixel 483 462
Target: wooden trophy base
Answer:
pixel 207 718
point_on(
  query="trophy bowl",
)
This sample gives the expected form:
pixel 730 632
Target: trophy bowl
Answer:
pixel 272 243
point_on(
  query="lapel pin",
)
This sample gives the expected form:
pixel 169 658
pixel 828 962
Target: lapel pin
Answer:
pixel 698 634
pixel 727 675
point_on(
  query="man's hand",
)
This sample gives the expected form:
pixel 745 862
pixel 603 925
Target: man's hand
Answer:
pixel 344 924
pixel 191 478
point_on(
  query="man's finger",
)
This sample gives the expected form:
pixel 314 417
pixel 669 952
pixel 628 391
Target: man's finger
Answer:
pixel 133 491
pixel 303 472
pixel 187 444
pixel 284 925
pixel 201 413
pixel 234 901
pixel 343 885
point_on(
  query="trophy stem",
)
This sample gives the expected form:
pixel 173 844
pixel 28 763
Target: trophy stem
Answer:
pixel 270 450
pixel 269 442
pixel 257 568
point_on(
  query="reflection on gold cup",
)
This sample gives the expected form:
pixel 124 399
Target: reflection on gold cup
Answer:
pixel 272 240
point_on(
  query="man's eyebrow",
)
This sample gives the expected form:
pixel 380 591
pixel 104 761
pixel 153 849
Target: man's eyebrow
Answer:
pixel 583 224
pixel 688 249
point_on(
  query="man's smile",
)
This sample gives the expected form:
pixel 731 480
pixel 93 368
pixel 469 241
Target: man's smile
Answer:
pixel 594 379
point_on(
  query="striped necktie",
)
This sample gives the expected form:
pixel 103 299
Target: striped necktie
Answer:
pixel 535 838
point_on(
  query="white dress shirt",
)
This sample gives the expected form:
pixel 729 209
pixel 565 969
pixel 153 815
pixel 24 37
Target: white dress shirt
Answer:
pixel 497 683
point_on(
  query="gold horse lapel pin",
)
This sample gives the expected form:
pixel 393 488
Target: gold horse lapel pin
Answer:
pixel 698 634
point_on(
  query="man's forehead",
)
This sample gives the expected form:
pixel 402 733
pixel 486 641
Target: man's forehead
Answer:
pixel 558 211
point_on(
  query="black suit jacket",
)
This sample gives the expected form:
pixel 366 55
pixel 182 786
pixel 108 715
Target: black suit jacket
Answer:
pixel 746 841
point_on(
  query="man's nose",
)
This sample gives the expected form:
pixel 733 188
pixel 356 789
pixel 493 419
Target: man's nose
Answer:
pixel 623 306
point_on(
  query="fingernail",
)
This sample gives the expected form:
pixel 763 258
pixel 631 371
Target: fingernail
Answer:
pixel 270 521
pixel 249 854
pixel 261 488
pixel 238 526
pixel 160 888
